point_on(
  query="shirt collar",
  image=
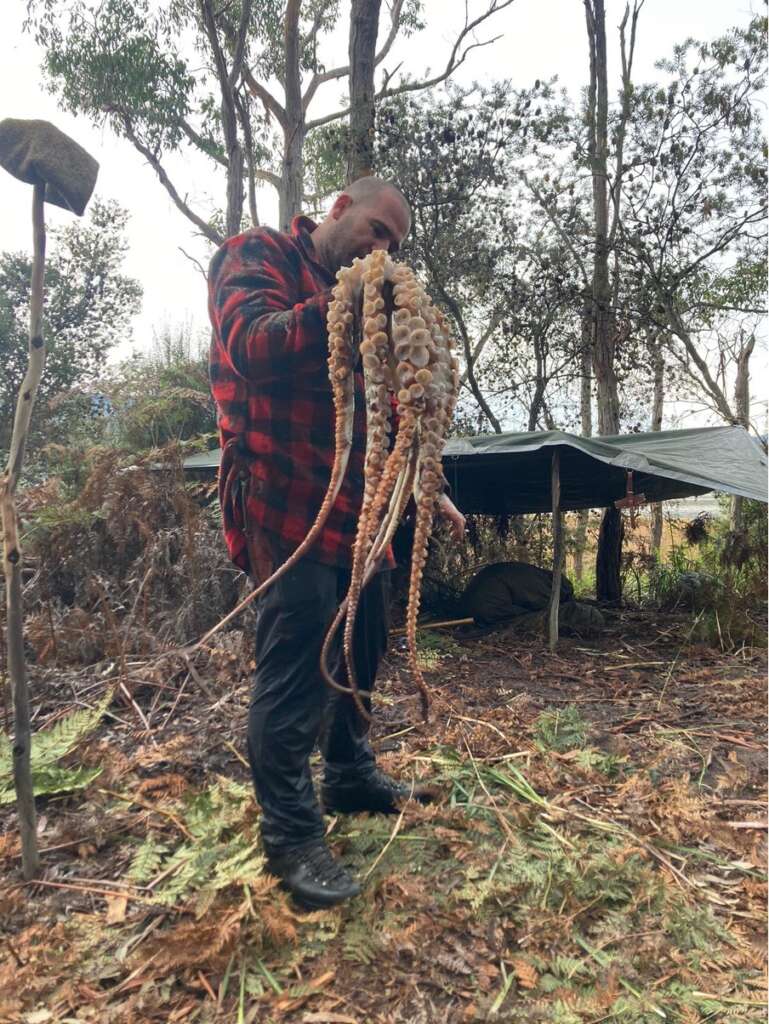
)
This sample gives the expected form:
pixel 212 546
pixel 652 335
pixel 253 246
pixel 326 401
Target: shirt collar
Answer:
pixel 301 230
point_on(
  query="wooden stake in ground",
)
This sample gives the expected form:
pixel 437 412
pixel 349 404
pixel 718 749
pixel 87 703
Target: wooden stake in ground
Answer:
pixel 60 172
pixel 555 593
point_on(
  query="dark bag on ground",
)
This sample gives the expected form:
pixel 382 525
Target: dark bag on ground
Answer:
pixel 517 592
pixel 505 589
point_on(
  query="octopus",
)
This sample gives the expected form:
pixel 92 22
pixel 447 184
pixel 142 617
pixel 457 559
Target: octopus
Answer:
pixel 408 361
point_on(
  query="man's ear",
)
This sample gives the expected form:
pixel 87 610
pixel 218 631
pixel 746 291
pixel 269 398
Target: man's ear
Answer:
pixel 340 205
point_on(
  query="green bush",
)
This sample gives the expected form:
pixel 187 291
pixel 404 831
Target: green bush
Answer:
pixel 721 579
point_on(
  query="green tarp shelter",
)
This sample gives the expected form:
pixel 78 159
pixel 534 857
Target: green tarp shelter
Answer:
pixel 511 473
pixel 553 471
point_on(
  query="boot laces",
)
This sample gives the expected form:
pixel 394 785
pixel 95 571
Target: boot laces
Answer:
pixel 385 782
pixel 325 869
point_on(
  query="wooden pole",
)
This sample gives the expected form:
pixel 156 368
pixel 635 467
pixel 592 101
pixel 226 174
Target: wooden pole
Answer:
pixel 558 549
pixel 17 667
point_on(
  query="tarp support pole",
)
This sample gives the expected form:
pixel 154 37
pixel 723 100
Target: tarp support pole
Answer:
pixel 558 549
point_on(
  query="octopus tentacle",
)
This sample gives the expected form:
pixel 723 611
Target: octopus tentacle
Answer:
pixel 374 352
pixel 423 374
pixel 360 574
pixel 412 358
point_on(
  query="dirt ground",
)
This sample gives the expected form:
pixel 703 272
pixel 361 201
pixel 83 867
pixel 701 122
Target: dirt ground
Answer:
pixel 598 852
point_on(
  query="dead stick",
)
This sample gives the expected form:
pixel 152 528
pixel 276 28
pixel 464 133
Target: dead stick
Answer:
pixel 83 888
pixel 558 551
pixel 435 625
pixel 205 983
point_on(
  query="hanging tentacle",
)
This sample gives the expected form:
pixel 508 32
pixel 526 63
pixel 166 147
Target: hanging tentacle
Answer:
pixel 419 366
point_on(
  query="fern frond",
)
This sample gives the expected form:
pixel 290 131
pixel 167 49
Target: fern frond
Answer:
pixel 50 745
pixel 241 866
pixel 146 861
pixel 53 779
pixel 361 943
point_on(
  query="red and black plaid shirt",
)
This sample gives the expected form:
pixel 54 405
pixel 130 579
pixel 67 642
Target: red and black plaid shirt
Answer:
pixel 268 299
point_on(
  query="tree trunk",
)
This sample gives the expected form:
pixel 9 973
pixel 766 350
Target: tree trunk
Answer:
pixel 364 24
pixel 12 560
pixel 658 399
pixel 598 145
pixel 292 176
pixel 586 428
pixel 603 340
pixel 608 584
pixel 234 172
pixel 228 82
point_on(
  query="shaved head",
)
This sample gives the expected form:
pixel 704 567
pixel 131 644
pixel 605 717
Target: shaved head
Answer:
pixel 370 189
pixel 369 214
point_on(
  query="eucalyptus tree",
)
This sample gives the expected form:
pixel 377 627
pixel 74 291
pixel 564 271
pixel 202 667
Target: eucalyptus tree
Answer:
pixel 364 25
pixel 89 306
pixel 236 82
pixel 487 252
pixel 694 225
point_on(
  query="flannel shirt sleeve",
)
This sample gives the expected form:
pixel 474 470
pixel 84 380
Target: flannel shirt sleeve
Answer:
pixel 265 332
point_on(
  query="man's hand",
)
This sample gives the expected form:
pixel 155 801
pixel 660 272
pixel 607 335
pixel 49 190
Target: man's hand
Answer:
pixel 453 518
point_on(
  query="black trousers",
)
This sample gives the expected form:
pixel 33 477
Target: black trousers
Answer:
pixel 292 708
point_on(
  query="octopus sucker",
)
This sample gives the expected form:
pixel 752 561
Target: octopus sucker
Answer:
pixel 406 357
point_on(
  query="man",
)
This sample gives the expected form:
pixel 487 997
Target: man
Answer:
pixel 268 300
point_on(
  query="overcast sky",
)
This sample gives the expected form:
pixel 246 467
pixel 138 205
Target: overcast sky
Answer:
pixel 539 39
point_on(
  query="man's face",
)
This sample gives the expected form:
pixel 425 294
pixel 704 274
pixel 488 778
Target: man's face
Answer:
pixel 363 226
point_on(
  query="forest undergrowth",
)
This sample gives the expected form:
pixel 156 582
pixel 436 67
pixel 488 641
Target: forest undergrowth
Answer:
pixel 598 852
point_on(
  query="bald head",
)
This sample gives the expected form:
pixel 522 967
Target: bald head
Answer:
pixel 370 214
pixel 370 190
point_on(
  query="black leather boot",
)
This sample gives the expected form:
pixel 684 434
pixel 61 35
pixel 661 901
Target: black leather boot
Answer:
pixel 312 876
pixel 348 793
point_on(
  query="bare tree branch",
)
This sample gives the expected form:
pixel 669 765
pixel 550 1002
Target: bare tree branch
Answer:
pixel 270 103
pixel 563 235
pixel 241 105
pixel 615 187
pixel 456 312
pixel 715 392
pixel 496 320
pixel 206 146
pixel 196 263
pixel 329 76
pixel 239 50
pixel 209 24
pixel 452 64
pixel 269 176
pixel 312 35
pixel 206 229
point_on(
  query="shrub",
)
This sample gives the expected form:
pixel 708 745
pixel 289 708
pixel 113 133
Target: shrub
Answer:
pixel 128 560
pixel 722 581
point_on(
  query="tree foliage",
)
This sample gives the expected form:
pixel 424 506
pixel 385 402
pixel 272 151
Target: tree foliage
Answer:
pixel 500 180
pixel 89 304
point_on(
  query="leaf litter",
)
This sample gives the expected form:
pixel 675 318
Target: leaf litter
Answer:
pixel 598 852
